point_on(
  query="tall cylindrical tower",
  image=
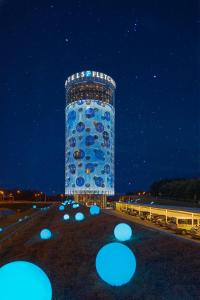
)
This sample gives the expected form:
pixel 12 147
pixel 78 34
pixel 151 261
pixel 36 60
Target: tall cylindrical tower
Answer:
pixel 90 121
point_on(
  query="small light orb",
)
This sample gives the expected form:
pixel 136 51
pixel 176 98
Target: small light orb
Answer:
pixel 34 206
pixel 20 220
pixel 66 217
pixel 28 282
pixel 94 210
pixel 61 207
pixel 45 234
pixel 123 232
pixel 1 229
pixel 79 216
pixel 115 264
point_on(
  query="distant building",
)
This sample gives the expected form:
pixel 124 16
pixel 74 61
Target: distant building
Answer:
pixel 90 119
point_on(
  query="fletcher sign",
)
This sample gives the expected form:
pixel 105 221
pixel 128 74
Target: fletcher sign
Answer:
pixel 87 74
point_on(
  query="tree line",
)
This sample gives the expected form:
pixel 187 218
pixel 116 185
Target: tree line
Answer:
pixel 179 189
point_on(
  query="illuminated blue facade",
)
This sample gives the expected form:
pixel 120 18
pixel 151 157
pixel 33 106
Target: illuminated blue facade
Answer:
pixel 90 117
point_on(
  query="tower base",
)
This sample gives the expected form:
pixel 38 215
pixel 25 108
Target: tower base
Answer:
pixel 88 200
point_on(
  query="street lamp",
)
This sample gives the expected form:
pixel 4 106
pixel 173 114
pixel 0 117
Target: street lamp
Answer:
pixel 45 196
pixel 11 196
pixel 2 193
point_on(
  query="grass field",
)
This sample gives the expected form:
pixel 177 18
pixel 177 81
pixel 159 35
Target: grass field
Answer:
pixel 167 268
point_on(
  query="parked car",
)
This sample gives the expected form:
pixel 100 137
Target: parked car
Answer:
pixel 195 233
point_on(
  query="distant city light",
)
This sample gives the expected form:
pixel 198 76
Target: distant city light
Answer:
pixel 66 217
pixel 94 210
pixel 115 264
pixel 45 234
pixel 123 232
pixel 61 207
pixel 79 216
pixel 34 206
pixel 29 282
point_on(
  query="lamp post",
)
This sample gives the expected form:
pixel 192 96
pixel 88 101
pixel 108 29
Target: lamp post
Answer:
pixel 2 193
pixel 45 196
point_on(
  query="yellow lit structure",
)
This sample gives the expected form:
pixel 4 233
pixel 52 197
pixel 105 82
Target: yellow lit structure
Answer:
pixel 184 220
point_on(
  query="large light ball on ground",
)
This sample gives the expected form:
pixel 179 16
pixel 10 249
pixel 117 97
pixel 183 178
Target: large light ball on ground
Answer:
pixel 75 205
pixel 45 234
pixel 79 216
pixel 61 207
pixel 123 232
pixel 115 264
pixel 21 280
pixel 94 210
pixel 66 217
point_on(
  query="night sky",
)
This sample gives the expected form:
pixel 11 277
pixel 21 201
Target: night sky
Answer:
pixel 150 48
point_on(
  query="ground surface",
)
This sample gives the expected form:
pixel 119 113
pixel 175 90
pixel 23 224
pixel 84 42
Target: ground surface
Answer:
pixel 167 268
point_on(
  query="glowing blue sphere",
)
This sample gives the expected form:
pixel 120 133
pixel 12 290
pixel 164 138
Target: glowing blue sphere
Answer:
pixel 29 282
pixel 45 234
pixel 123 232
pixel 34 206
pixel 61 207
pixel 115 264
pixel 1 229
pixel 66 217
pixel 94 210
pixel 20 220
pixel 79 216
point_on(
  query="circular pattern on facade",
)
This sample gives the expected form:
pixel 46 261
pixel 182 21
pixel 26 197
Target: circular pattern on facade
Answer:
pixel 80 126
pixel 89 112
pixel 80 181
pixel 79 154
pixel 72 169
pixel 99 154
pixel 99 126
pixel 72 142
pixel 89 140
pixel 71 116
pixel 98 181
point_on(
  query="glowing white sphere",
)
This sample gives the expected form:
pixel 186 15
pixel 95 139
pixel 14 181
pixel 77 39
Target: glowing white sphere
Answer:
pixel 45 234
pixel 123 232
pixel 115 264
pixel 21 280
pixel 61 207
pixel 94 210
pixel 79 216
pixel 66 217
